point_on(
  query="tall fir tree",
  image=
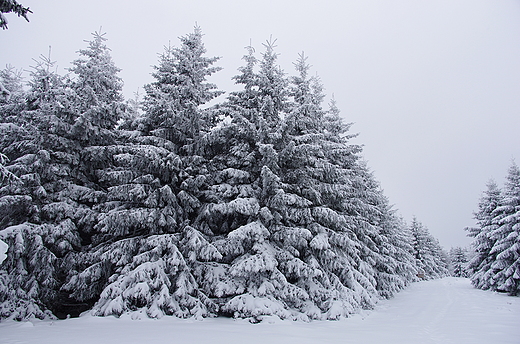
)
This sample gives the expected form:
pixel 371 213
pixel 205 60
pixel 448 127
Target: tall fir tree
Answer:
pixel 45 160
pixel 395 268
pixel 98 89
pixel 154 178
pixel 172 102
pixel 65 116
pixel 480 265
pixel 506 236
pixel 242 153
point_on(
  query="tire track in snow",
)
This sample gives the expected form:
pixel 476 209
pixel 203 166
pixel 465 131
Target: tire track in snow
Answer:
pixel 439 309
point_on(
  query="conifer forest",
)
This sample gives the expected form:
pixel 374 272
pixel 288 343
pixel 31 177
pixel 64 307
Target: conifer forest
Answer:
pixel 192 203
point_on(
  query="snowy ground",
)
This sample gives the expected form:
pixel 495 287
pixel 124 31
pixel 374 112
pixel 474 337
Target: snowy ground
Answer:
pixel 439 311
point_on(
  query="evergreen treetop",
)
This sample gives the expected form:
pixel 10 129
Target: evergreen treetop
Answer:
pixel 172 102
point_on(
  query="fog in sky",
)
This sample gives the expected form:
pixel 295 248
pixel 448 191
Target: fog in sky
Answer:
pixel 432 87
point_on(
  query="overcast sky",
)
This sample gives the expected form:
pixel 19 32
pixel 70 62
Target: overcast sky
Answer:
pixel 433 87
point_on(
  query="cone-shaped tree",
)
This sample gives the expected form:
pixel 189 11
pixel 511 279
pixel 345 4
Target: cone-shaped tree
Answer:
pixel 154 180
pixel 480 265
pixel 98 92
pixel 506 267
pixel 172 102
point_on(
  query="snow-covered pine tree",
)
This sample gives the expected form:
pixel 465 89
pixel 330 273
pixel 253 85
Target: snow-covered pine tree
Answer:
pixel 334 196
pixel 272 85
pixel 40 130
pixel 480 265
pixel 11 94
pixel 145 250
pixel 241 152
pixel 58 183
pixel 459 262
pixel 313 197
pixel 172 102
pixel 45 161
pixel 98 93
pixel 506 237
pixel 395 265
pixel 429 256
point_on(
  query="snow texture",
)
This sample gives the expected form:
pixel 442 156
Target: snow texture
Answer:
pixel 3 251
pixel 447 310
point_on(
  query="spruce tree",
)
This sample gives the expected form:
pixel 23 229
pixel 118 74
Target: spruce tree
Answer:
pixel 242 155
pixel 144 250
pixel 315 191
pixel 56 180
pixel 480 265
pixel 45 162
pixel 458 261
pixel 429 257
pixel 395 263
pixel 172 102
pixel 97 87
pixel 506 267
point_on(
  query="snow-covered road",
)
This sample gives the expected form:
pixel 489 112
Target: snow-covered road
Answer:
pixel 439 311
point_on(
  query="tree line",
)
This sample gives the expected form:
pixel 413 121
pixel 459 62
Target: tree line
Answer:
pixel 257 205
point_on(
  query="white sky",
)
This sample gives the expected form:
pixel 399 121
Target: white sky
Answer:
pixel 433 87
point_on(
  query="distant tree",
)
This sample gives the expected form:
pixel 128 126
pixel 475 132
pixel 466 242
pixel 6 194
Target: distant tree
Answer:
pixel 395 265
pixel 496 264
pixel 7 6
pixel 429 256
pixel 458 259
pixel 133 113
